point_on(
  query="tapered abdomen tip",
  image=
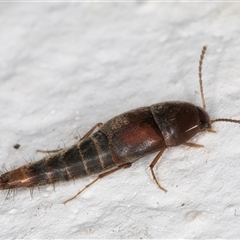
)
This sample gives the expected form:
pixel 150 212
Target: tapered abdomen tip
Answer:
pixel 15 179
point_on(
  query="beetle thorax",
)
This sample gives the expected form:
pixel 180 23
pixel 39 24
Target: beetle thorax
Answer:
pixel 178 121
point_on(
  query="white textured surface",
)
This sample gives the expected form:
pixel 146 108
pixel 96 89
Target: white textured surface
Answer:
pixel 65 67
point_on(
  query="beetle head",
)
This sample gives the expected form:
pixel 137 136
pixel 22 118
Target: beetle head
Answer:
pixel 179 121
pixel 204 120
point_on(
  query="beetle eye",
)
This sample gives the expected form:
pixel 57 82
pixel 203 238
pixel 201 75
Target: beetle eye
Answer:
pixel 202 125
pixel 203 119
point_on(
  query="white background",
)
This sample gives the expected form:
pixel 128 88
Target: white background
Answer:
pixel 66 66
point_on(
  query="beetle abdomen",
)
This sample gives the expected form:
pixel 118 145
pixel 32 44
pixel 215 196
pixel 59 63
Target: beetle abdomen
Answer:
pixel 87 157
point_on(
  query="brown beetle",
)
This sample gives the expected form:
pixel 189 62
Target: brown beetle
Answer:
pixel 118 143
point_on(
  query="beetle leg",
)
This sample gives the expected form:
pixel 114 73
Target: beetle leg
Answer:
pixel 211 130
pixel 49 151
pixel 91 130
pixel 153 163
pixel 85 136
pixel 190 144
pixel 126 165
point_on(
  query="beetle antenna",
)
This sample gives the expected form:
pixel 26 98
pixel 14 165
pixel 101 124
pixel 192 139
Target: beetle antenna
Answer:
pixel 225 120
pixel 200 75
pixel 201 89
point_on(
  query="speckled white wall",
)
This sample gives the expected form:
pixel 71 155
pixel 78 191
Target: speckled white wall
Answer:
pixel 66 66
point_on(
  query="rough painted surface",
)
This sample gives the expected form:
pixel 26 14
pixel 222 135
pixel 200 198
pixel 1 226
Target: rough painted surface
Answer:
pixel 65 67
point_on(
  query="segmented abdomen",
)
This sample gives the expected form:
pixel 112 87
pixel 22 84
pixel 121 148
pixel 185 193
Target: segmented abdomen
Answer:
pixel 89 156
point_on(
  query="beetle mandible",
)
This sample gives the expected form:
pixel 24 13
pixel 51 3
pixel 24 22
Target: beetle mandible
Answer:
pixel 118 143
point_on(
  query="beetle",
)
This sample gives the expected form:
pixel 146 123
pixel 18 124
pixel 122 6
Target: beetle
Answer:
pixel 118 143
